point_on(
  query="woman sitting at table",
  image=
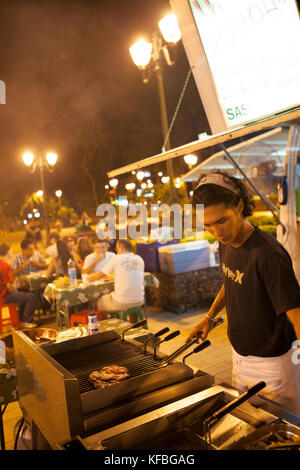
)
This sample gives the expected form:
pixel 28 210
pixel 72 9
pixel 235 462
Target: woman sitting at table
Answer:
pixel 67 250
pixel 84 248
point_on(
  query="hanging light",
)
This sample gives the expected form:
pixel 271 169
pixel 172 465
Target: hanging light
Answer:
pixel 190 160
pixel 113 183
pixel 140 175
pixel 165 179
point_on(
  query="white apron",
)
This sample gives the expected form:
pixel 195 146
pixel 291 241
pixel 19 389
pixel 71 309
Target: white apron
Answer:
pixel 280 373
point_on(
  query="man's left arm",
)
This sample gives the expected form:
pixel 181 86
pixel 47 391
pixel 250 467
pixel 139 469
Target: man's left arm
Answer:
pixel 294 316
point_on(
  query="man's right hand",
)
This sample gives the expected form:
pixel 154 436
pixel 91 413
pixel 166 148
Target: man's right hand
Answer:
pixel 203 326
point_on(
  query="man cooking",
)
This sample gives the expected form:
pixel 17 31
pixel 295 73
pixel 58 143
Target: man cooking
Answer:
pixel 260 292
pixel 128 270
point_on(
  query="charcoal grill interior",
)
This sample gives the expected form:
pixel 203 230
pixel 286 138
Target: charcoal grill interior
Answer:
pixel 97 356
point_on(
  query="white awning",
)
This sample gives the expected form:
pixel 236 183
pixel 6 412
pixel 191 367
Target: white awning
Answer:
pixel 269 145
pixel 224 137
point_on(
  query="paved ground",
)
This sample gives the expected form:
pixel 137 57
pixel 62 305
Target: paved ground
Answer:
pixel 216 359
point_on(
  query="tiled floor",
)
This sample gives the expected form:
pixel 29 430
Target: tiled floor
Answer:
pixel 216 359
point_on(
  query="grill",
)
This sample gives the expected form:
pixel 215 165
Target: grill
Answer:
pixel 59 402
pixel 94 358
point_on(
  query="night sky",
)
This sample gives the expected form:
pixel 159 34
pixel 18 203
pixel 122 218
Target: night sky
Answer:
pixel 70 80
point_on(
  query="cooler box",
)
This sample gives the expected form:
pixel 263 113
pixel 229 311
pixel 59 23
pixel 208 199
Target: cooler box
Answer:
pixel 149 253
pixel 184 257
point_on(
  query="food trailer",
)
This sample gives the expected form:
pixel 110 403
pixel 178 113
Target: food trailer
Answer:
pixel 248 79
pixel 165 404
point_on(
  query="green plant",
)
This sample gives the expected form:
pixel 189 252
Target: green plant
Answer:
pixel 262 220
pixel 268 228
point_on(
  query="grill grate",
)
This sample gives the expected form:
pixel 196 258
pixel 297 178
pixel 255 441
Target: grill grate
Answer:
pixel 95 357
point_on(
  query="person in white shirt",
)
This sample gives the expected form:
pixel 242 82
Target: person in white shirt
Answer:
pixel 128 269
pixel 94 262
pixel 51 250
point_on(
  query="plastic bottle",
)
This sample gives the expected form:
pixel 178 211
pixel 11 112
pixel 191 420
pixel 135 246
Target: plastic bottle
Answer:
pixel 93 323
pixel 72 273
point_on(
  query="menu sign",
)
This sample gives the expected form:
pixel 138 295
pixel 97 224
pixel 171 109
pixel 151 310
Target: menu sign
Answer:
pixel 252 50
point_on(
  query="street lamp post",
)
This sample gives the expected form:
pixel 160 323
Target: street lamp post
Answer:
pixel 30 161
pixel 142 52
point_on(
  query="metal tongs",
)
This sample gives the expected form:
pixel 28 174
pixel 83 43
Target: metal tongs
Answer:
pixel 187 345
pixel 156 335
pixel 199 348
pixel 166 338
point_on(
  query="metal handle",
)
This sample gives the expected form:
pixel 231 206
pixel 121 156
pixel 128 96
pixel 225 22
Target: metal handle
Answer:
pixel 162 332
pixel 171 336
pixel 235 403
pixel 156 335
pixel 190 343
pixel 136 325
pixel 217 321
pixel 199 348
pixel 167 338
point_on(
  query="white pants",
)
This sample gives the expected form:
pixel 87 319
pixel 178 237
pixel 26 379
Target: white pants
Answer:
pixel 281 376
pixel 108 303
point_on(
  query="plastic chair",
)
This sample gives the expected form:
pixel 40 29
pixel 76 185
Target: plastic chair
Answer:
pixel 134 314
pixel 82 317
pixel 9 317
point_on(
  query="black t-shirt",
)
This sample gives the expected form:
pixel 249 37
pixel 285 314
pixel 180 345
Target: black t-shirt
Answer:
pixel 260 286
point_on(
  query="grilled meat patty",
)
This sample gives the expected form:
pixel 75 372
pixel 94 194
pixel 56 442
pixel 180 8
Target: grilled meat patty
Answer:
pixel 108 375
